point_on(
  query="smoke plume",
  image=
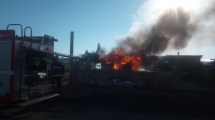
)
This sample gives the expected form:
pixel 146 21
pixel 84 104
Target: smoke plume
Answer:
pixel 174 28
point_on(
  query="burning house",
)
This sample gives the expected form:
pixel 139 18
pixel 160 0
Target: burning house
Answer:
pixel 118 60
pixel 141 47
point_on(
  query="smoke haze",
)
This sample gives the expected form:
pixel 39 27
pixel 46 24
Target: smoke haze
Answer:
pixel 172 28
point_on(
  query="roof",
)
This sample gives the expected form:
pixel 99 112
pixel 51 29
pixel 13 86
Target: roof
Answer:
pixel 38 38
pixel 183 58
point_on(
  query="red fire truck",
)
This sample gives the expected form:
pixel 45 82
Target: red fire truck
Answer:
pixel 26 70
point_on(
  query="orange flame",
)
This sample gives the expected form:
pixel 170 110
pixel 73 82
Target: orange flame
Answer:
pixel 118 59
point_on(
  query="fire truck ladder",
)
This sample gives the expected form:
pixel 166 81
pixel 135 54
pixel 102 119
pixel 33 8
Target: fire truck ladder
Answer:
pixel 27 88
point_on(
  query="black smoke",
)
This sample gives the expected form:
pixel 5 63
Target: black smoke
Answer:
pixel 173 29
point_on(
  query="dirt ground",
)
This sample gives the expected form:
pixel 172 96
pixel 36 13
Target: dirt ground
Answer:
pixel 120 104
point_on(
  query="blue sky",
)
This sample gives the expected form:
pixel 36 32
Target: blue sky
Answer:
pixel 92 21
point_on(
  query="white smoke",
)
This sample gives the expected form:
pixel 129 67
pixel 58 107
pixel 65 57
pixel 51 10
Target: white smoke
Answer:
pixel 197 15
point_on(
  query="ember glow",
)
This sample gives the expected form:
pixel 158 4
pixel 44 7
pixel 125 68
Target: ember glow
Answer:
pixel 118 59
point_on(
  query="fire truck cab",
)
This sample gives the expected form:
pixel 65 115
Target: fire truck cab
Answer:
pixel 26 70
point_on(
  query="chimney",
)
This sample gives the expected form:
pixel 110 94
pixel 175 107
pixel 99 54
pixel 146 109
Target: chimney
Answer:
pixel 71 43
